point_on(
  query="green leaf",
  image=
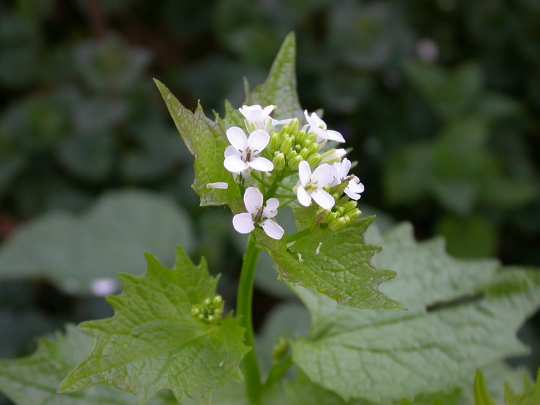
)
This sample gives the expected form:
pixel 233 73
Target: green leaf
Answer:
pixel 451 93
pixel 286 321
pixel 468 237
pixel 75 250
pixel 333 263
pixel 279 88
pixel 34 379
pixel 481 394
pixel 153 342
pixel 460 316
pixel 207 144
pixel 530 395
pixel 301 391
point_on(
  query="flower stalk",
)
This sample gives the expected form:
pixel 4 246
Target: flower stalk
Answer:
pixel 244 312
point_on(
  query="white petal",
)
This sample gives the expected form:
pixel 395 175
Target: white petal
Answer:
pixel 321 133
pixel 323 198
pixel 220 185
pixel 303 197
pixel 314 121
pixel 323 175
pixel 258 140
pixel 304 172
pixel 334 136
pixel 356 185
pixel 253 200
pixel 271 208
pixel 261 164
pixel 345 167
pixel 235 164
pixel 286 121
pixel 340 152
pixel 352 195
pixel 243 223
pixel 251 112
pixel 237 138
pixel 232 151
pixel 272 229
pixel 268 109
pixel 306 114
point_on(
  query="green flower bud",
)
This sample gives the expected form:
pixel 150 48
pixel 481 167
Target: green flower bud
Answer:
pixel 314 160
pixel 286 145
pixel 275 141
pixel 279 161
pixel 218 300
pixel 305 153
pixel 280 349
pixel 313 148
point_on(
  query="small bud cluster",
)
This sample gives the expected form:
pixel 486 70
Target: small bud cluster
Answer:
pixel 291 145
pixel 210 311
pixel 344 212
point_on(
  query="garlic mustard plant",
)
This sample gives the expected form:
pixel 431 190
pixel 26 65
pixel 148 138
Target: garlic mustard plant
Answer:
pixel 174 339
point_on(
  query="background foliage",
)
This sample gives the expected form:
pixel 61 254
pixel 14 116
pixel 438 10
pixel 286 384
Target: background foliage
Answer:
pixel 439 99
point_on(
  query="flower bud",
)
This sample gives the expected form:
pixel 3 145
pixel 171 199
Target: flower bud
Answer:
pixel 275 141
pixel 279 161
pixel 314 160
pixel 217 299
pixel 286 145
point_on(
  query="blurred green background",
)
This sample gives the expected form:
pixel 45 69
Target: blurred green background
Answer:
pixel 440 100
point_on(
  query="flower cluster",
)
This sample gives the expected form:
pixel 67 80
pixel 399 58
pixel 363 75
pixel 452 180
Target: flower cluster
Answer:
pixel 266 151
pixel 210 310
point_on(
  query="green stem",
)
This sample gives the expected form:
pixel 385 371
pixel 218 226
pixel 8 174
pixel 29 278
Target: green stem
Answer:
pixel 250 366
pixel 278 371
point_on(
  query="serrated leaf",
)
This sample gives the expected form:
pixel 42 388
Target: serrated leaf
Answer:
pixel 460 316
pixel 301 391
pixel 34 379
pixel 207 144
pixel 153 342
pixel 75 250
pixel 279 88
pixel 481 394
pixel 333 263
pixel 529 396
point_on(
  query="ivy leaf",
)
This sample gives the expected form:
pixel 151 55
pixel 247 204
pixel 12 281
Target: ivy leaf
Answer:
pixel 450 327
pixel 207 144
pixel 333 263
pixel 34 379
pixel 153 342
pixel 279 88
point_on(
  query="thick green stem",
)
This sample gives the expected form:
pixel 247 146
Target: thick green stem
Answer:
pixel 250 366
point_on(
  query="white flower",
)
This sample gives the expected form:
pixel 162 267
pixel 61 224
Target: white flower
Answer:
pixel 243 152
pixel 258 116
pixel 220 185
pixel 354 188
pixel 341 172
pixel 312 185
pixel 257 215
pixel 333 155
pixel 317 126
